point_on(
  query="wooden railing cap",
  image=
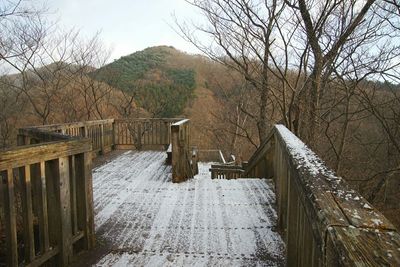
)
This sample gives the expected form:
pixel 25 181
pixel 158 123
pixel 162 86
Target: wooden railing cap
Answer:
pixel 181 122
pixel 337 212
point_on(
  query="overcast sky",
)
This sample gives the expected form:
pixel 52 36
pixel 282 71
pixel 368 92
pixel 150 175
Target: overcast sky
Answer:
pixel 126 25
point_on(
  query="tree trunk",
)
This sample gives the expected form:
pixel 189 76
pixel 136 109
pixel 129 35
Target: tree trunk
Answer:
pixel 263 118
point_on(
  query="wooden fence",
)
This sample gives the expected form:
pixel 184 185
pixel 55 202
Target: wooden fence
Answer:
pixel 46 194
pixel 154 133
pixel 322 220
pixel 184 163
pixel 223 171
pixel 46 184
pixel 100 132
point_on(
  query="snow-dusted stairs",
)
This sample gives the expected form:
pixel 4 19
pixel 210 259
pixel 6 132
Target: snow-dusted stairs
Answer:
pixel 149 221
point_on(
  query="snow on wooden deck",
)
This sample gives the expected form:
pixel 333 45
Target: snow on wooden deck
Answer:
pixel 149 221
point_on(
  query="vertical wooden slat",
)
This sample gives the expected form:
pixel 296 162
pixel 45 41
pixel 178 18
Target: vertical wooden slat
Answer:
pixel 38 174
pixel 125 134
pixel 168 132
pixel 115 133
pixel 118 126
pixel 102 138
pixel 152 132
pixel 64 241
pixel 161 132
pixel 85 197
pixel 148 132
pixel 158 133
pixel 144 132
pixel 74 214
pixel 10 219
pixel 57 183
pixel 29 242
pixel 140 127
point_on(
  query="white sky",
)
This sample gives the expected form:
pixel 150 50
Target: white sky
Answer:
pixel 126 25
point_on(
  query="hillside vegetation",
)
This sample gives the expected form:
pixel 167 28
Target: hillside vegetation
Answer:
pixel 154 78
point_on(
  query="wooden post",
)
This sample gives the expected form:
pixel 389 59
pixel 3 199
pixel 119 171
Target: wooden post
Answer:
pixel 114 135
pixel 139 137
pixel 65 242
pixel 176 154
pixel 57 184
pixel 102 138
pixel 10 219
pixel 74 215
pixel 83 165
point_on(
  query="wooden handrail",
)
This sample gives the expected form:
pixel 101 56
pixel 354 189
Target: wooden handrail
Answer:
pixel 151 119
pixel 323 221
pixel 30 154
pixel 100 132
pixel 180 122
pixel 59 126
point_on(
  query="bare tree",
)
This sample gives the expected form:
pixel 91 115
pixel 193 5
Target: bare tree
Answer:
pixel 243 32
pixel 330 27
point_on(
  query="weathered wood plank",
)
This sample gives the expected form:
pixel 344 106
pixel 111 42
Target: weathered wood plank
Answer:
pixel 29 241
pixel 64 239
pixel 364 247
pixel 84 189
pixel 74 212
pixel 10 218
pixel 42 152
pixel 43 258
pixel 40 196
pixel 55 127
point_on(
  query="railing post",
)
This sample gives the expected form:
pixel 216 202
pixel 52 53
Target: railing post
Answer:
pixel 102 138
pixel 83 165
pixel 195 159
pixel 10 218
pixel 65 242
pixel 113 135
pixel 139 137
pixel 176 154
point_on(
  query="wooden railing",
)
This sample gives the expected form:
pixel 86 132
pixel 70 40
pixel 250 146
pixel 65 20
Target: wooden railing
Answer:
pixel 261 162
pixel 184 163
pixel 47 201
pixel 153 133
pixel 323 221
pixel 222 171
pixel 100 132
pixel 49 177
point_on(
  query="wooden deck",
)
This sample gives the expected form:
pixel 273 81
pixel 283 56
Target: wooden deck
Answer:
pixel 147 220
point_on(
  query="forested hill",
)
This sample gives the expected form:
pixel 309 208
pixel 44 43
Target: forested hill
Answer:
pixel 158 77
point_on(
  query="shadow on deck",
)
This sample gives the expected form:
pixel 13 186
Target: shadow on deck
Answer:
pixel 143 219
